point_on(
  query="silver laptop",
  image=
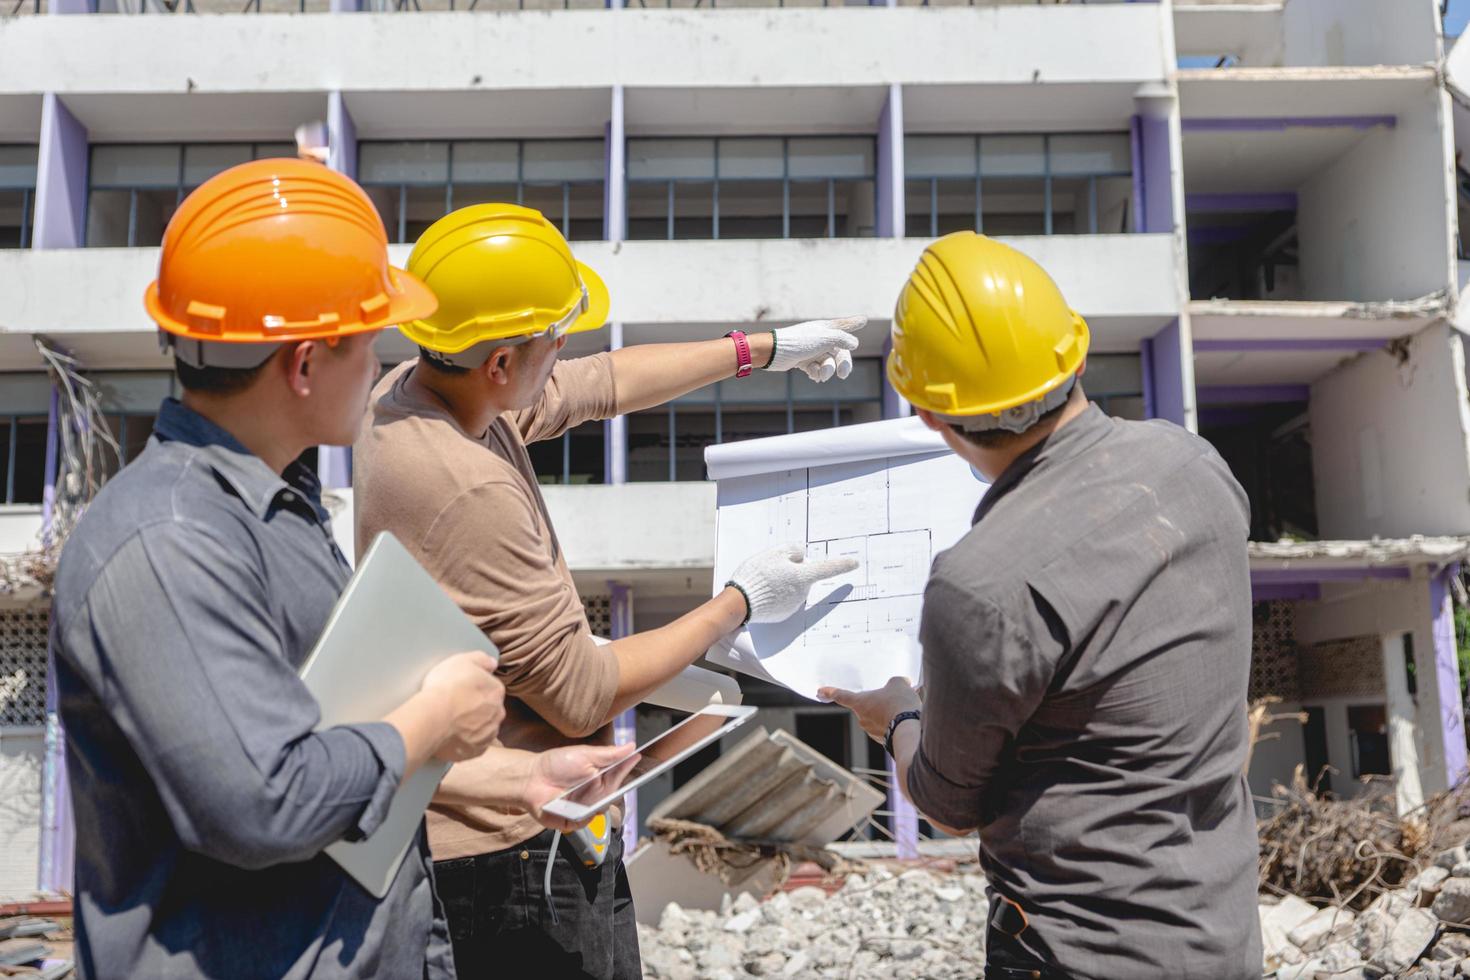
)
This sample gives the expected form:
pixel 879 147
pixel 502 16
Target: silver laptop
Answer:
pixel 392 624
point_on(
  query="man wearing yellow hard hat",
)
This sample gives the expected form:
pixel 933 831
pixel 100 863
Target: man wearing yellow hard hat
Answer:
pixel 442 463
pixel 1086 646
pixel 191 592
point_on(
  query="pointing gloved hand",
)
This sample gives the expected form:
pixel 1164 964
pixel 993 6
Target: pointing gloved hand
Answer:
pixel 821 348
pixel 775 582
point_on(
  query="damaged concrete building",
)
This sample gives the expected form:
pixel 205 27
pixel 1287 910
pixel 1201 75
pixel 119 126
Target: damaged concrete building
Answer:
pixel 1254 204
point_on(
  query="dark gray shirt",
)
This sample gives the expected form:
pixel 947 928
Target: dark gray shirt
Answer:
pixel 186 599
pixel 1086 652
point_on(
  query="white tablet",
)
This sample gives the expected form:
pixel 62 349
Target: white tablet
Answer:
pixel 594 795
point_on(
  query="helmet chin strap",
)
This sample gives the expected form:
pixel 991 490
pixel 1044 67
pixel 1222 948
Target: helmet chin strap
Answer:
pixel 1017 418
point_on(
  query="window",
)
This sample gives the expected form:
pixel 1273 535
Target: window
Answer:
pixel 1027 184
pixel 751 187
pixel 17 195
pixel 134 188
pixel 579 456
pixel 1115 382
pixel 1368 730
pixel 668 443
pixel 414 184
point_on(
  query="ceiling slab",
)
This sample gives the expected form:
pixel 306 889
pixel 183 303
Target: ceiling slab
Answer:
pixel 1262 162
pixel 1265 93
pixel 753 111
pixel 499 113
pixel 196 116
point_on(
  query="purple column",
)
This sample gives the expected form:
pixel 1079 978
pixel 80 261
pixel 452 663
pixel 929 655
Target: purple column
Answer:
pixel 1447 676
pixel 58 830
pixel 1164 375
pixel 334 463
pixel 889 221
pixel 625 726
pixel 61 178
pixel 615 429
pixel 73 6
pixel 895 406
pixel 614 223
pixel 905 818
pixel 1152 181
pixel 346 6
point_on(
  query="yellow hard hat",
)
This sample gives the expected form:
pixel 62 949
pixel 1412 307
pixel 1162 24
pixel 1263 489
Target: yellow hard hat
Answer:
pixel 981 328
pixel 501 271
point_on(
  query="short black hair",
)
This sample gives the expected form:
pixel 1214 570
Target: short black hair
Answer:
pixel 430 359
pixel 1001 438
pixel 216 380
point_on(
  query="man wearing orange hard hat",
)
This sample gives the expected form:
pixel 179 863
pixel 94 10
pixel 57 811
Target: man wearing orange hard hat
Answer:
pixel 1086 646
pixel 194 587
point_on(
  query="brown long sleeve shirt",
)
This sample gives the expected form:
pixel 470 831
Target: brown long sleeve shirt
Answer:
pixel 469 508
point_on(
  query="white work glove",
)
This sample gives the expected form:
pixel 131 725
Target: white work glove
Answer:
pixel 775 582
pixel 821 348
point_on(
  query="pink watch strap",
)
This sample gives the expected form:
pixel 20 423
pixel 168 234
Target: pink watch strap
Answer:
pixel 742 353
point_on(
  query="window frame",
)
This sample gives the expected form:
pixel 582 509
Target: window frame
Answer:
pixel 786 180
pixel 399 236
pixel 1046 176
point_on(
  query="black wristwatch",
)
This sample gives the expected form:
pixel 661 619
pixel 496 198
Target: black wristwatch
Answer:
pixel 898 719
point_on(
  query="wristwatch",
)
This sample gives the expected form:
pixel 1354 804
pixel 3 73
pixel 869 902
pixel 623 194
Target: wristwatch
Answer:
pixel 898 719
pixel 743 364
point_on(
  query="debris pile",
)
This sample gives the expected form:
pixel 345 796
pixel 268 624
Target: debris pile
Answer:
pixel 29 946
pixel 914 924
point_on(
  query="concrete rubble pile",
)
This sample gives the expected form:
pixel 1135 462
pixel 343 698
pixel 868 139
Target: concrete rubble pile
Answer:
pixel 29 947
pixel 1418 931
pixel 912 924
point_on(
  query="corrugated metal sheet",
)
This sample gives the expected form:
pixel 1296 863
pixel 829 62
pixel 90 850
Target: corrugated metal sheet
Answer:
pixel 773 787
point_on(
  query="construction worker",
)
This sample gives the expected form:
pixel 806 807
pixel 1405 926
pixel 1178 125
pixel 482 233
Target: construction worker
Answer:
pixel 193 589
pixel 1086 646
pixel 442 463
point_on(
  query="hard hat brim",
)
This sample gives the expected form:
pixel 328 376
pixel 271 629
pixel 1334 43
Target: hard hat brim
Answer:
pixel 599 301
pixel 414 301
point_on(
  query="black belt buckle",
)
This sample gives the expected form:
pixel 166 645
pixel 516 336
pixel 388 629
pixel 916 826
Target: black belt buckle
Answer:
pixel 1008 917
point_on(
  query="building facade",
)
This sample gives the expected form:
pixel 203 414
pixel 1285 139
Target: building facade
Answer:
pixel 1253 204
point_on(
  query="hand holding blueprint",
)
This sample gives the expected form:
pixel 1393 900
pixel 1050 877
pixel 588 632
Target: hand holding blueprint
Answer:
pixel 890 495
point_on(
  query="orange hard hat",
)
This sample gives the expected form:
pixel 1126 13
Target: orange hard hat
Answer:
pixel 279 250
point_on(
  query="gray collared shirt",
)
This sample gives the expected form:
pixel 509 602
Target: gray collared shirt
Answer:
pixel 1086 652
pixel 186 600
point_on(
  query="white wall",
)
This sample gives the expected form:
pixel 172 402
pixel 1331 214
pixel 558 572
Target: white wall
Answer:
pixel 1360 32
pixel 20 527
pixel 21 753
pixel 1377 607
pixel 1378 224
pixel 1274 760
pixel 1123 284
pixel 580 49
pixel 1389 442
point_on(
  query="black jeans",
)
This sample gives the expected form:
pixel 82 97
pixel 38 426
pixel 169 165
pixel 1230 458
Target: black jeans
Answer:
pixel 501 927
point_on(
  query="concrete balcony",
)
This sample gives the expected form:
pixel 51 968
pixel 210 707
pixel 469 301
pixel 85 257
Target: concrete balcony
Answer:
pixel 463 73
pixel 1125 285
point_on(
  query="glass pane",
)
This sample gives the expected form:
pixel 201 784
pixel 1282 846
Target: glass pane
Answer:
pixel 918 209
pixel 694 209
pixel 582 456
pixel 1072 205
pixel 939 156
pixel 485 163
pixel 425 206
pixel 809 207
pixel 153 209
pixel 385 199
pixel 107 217
pixel 1014 206
pixel 838 157
pixel 132 392
pixel 750 158
pixel 17 166
pixel 564 160
pixel 267 151
pixel 1021 156
pixel 588 205
pixel 1113 374
pixel 15 218
pixel 5 437
pixel 671 158
pixel 856 202
pixel 548 200
pixel 203 161
pixel 862 383
pixel 30 461
pixel 648 209
pixel 648 446
pixel 135 166
pixel 751 424
pixel 761 386
pixel 1091 153
pixel 1114 205
pixel 403 163
pixel 750 208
